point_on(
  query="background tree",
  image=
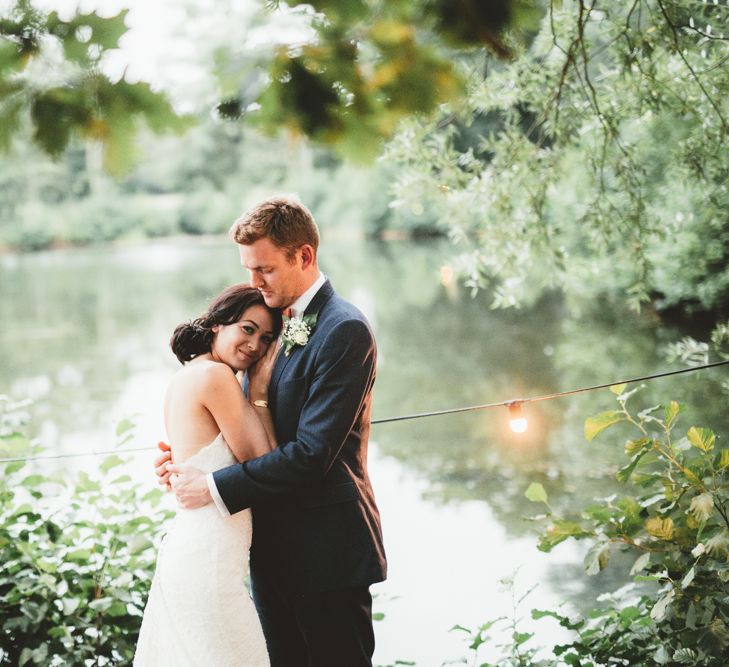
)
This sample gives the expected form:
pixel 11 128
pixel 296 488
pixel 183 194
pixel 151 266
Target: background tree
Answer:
pixel 50 69
pixel 568 144
pixel 595 160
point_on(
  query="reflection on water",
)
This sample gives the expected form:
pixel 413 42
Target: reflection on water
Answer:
pixel 85 333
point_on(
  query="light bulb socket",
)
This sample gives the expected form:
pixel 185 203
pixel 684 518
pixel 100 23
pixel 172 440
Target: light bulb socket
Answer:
pixel 515 411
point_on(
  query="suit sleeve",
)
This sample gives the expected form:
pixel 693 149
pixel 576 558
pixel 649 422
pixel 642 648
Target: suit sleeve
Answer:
pixel 331 414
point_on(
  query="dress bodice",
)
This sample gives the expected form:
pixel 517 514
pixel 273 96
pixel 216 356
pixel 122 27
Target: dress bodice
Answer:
pixel 214 456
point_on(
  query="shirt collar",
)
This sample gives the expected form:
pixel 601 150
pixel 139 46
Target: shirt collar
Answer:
pixel 299 306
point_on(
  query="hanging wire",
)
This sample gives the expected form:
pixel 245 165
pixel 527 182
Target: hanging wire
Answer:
pixel 421 415
pixel 546 397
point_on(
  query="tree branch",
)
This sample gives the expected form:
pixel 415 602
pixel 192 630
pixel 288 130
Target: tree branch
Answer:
pixel 677 44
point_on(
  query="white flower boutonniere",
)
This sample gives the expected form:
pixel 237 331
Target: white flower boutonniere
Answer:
pixel 296 331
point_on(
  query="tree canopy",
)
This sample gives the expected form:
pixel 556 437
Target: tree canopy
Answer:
pixel 573 143
pixel 50 69
pixel 597 157
pixel 367 65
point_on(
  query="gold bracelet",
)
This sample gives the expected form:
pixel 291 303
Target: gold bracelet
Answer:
pixel 260 403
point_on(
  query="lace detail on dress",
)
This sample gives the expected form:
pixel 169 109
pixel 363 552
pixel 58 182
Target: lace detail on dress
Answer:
pixel 199 611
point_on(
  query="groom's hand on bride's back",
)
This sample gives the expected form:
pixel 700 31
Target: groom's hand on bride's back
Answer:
pixel 161 463
pixel 190 486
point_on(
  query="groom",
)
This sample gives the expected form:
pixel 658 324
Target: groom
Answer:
pixel 317 540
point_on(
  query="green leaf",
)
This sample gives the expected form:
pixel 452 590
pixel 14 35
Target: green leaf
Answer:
pixel 56 112
pixel 117 609
pixel 10 468
pixel 121 479
pixel 110 462
pixel 661 656
pixel 46 565
pixel 688 579
pixel 559 531
pixel 521 637
pixel 25 655
pixel 599 513
pixel 641 563
pixel 78 555
pixel 628 615
pixel 659 608
pixel 32 481
pixel 597 558
pixel 644 415
pixel 661 528
pixel 460 628
pixel 701 507
pixel 105 31
pixel 378 616
pixel 723 459
pixel 101 604
pixel 595 425
pixel 632 447
pixel 536 493
pixel 139 543
pixel 618 389
pixel 564 621
pixel 701 438
pixel 671 413
pixel 25 508
pixel 686 656
pixel 70 605
pixel 623 475
pixel 123 426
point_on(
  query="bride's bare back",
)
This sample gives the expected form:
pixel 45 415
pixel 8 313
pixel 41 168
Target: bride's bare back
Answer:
pixel 204 399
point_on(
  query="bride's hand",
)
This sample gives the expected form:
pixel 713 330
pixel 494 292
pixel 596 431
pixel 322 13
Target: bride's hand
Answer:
pixel 259 374
pixel 161 463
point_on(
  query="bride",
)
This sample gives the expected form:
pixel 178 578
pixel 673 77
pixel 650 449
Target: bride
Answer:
pixel 199 611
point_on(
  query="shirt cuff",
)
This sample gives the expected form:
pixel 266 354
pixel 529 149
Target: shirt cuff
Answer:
pixel 216 496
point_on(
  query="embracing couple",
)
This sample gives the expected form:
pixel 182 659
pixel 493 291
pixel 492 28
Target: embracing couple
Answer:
pixel 281 463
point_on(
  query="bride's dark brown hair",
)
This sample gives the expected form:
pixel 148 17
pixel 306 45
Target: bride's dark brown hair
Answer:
pixel 193 338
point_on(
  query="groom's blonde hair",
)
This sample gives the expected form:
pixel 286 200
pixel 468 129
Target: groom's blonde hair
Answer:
pixel 283 219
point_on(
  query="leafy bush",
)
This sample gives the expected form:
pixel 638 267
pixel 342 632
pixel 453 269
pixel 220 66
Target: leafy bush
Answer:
pixel 673 516
pixel 78 554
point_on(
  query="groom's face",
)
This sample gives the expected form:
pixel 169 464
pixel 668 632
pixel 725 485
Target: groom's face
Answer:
pixel 279 279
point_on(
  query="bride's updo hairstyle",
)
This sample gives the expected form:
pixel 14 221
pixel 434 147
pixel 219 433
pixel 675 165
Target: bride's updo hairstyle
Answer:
pixel 193 338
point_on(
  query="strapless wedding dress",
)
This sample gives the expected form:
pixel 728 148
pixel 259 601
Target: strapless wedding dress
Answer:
pixel 199 613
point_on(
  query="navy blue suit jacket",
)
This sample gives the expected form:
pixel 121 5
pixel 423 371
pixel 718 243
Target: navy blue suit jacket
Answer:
pixel 316 526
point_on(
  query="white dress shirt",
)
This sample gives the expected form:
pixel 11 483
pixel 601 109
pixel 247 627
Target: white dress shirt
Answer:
pixel 298 308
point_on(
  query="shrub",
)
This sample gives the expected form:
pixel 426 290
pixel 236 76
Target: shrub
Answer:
pixel 673 517
pixel 78 554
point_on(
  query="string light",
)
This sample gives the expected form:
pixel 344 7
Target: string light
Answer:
pixel 515 404
pixel 517 421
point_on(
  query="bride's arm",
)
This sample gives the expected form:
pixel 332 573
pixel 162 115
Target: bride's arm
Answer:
pixel 259 375
pixel 240 423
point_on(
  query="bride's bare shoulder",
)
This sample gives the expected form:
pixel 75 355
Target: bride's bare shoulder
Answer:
pixel 204 372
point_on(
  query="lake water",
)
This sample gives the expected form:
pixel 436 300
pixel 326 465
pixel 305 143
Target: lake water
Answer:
pixel 84 333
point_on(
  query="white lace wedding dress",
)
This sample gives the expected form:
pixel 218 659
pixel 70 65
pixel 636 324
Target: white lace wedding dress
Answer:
pixel 199 613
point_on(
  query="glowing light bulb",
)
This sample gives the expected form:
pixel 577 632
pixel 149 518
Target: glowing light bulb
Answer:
pixel 517 421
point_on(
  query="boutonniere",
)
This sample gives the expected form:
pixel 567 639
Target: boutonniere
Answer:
pixel 296 331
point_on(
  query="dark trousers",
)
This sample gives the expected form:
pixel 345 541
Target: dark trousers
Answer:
pixel 330 629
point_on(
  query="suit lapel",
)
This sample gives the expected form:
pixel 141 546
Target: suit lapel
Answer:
pixel 320 298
